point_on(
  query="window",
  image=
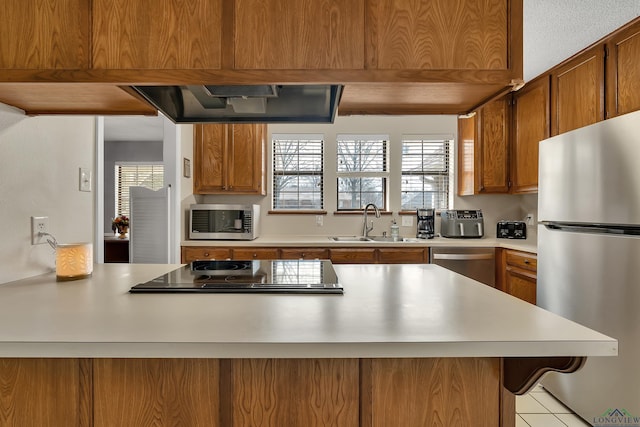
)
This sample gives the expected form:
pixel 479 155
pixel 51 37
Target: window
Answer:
pixel 362 171
pixel 425 172
pixel 297 172
pixel 135 175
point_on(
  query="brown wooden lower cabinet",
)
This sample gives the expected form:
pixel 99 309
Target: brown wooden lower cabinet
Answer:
pixel 517 274
pixel 350 255
pixel 254 392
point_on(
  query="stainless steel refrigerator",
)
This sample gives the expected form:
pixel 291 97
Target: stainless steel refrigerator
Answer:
pixel 589 259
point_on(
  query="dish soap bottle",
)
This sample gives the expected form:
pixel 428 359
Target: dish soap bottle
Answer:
pixel 395 230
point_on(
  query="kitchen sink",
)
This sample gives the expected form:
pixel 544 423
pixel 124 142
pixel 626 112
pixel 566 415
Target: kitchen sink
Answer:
pixel 370 239
pixel 385 239
pixel 350 239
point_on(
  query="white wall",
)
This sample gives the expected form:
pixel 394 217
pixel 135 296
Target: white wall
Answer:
pixel 40 159
pixel 495 207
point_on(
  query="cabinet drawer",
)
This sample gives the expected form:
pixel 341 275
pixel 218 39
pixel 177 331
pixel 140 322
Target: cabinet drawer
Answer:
pixel 401 256
pixel 304 253
pixel 353 256
pixel 525 260
pixel 190 254
pixel 256 253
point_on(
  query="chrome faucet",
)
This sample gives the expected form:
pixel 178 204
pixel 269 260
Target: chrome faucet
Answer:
pixel 365 228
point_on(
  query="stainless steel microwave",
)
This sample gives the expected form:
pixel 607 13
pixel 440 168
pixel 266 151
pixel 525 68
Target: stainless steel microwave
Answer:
pixel 224 222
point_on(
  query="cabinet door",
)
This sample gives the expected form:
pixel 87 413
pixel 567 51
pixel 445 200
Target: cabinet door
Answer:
pixel 302 34
pixel 434 34
pixel 44 34
pixel 493 159
pixel 246 159
pixel 577 92
pixel 623 72
pixel 304 253
pixel 209 173
pixel 521 283
pixel 157 34
pixel 467 138
pixel 531 125
pixel 353 255
pixel 192 253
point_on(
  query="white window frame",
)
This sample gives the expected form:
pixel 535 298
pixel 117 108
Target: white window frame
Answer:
pixel 448 172
pixel 383 173
pixel 297 172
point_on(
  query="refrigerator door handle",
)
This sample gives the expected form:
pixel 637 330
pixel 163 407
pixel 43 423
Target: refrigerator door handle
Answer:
pixel 632 230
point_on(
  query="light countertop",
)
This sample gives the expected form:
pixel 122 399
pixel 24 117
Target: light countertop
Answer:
pixel 386 311
pixel 527 245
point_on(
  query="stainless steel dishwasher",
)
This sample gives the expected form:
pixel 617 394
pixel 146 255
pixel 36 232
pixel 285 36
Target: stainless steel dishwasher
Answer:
pixel 476 263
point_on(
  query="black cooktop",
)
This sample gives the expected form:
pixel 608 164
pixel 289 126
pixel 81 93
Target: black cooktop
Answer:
pixel 255 276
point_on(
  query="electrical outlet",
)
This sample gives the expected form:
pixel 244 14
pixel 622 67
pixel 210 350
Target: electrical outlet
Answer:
pixel 319 220
pixel 39 224
pixel 531 220
pixel 407 221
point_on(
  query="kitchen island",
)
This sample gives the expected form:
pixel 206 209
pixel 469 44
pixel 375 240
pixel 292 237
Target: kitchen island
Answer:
pixel 405 345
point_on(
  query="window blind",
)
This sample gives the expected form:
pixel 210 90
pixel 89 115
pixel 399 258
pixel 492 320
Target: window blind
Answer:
pixel 298 165
pixel 135 175
pixel 362 171
pixel 425 173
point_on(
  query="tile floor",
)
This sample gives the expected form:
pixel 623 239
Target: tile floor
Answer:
pixel 538 408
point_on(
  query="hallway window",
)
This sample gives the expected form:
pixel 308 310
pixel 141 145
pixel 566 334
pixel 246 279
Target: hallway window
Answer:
pixel 135 175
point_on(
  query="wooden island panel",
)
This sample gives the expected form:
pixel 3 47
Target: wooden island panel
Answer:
pixel 158 392
pixel 295 392
pixel 430 392
pixel 42 393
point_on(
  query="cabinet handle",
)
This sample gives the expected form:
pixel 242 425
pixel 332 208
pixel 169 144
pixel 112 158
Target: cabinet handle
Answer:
pixel 206 254
pixel 255 255
pixel 526 261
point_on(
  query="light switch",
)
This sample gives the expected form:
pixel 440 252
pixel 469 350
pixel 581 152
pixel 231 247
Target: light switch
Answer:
pixel 85 179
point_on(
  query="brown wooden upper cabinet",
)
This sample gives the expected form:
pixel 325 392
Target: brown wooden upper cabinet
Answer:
pixel 623 71
pixel 467 139
pixel 44 35
pixel 438 34
pixel 494 128
pixel 229 159
pixel 577 91
pixel 531 124
pixel 298 35
pixel 483 144
pixel 157 34
pixel 498 146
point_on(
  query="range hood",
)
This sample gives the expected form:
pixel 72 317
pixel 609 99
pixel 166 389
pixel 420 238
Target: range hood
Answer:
pixel 245 103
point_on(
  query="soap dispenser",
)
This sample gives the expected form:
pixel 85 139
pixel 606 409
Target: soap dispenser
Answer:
pixel 395 230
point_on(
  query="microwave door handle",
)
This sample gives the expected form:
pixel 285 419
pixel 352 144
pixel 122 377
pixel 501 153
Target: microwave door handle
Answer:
pixel 479 229
pixel 461 227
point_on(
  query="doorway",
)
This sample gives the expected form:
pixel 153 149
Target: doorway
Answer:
pixel 123 141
